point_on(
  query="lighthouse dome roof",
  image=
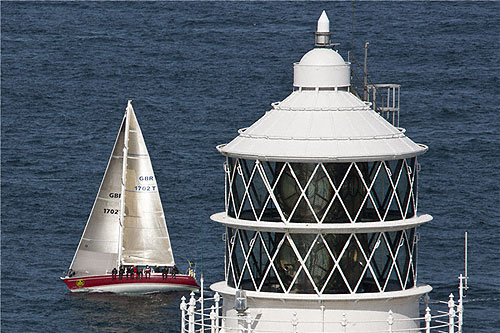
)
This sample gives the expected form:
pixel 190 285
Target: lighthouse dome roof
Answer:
pixel 322 57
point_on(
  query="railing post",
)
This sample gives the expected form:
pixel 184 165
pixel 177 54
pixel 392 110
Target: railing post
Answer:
pixel 248 321
pixel 460 306
pixel 322 307
pixel 183 314
pixel 213 316
pixel 390 321
pixel 344 322
pixel 192 307
pixel 451 314
pixel 202 301
pixel 295 322
pixel 428 318
pixel 217 300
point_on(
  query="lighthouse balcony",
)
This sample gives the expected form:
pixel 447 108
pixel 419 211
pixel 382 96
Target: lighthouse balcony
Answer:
pixel 394 311
pixel 324 193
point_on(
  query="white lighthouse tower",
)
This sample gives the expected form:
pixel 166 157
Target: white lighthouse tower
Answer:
pixel 320 212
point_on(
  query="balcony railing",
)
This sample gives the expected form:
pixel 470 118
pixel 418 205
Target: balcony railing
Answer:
pixel 204 315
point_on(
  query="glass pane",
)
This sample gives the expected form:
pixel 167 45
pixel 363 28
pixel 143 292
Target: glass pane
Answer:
pixel 271 213
pixel 302 285
pixel 393 282
pixel 319 263
pixel 238 189
pixel 337 171
pixel 286 263
pixel 238 260
pixel 271 283
pixel 403 189
pixel 247 169
pixel 382 190
pixel 381 261
pixel 247 238
pixel 246 212
pixel 336 213
pixel 302 213
pixel 303 242
pixel 368 284
pixel 272 171
pixel 258 260
pixel 394 208
pixel 229 269
pixel 336 284
pixel 319 192
pixel 303 172
pixel 258 193
pixel 352 263
pixel 246 280
pixel 403 258
pixel 336 243
pixel 393 240
pixel 287 192
pixel 352 192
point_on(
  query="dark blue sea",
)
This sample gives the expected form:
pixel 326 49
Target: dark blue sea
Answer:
pixel 197 72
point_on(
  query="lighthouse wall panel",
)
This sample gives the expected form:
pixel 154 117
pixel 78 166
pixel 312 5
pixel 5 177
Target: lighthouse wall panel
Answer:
pixel 266 313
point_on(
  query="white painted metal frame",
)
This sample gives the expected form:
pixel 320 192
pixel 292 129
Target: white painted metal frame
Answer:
pixel 403 275
pixel 235 174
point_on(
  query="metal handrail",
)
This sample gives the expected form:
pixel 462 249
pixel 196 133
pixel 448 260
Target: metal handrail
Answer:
pixel 210 320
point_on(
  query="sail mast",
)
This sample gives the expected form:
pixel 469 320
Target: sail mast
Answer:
pixel 123 180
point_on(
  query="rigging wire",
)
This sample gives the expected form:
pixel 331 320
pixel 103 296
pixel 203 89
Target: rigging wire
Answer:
pixel 352 26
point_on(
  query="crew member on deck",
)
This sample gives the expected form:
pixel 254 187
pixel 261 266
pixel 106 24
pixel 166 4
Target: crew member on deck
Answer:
pixel 164 272
pixel 120 272
pixel 135 272
pixel 148 272
pixel 113 273
pixel 175 271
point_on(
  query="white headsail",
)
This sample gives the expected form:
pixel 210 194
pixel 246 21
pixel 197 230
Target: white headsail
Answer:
pixel 143 234
pixel 97 252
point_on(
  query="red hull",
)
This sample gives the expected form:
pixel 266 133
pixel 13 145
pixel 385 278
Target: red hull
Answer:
pixel 106 283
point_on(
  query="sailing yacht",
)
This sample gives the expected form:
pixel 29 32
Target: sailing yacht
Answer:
pixel 126 229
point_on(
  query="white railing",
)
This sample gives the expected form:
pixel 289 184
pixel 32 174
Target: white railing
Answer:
pixel 196 316
pixel 385 100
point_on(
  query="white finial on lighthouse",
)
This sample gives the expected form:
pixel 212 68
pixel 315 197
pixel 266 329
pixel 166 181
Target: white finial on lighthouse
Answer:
pixel 323 23
pixel 323 31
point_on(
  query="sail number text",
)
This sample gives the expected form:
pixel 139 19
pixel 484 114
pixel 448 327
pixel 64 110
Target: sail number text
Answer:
pixel 110 211
pixel 145 187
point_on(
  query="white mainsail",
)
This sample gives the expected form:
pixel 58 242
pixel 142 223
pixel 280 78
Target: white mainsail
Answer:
pixel 143 235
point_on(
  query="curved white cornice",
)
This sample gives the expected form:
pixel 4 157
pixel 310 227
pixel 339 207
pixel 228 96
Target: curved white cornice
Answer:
pixel 224 289
pixel 314 228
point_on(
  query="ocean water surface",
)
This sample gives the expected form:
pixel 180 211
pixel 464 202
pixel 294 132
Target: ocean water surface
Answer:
pixel 197 72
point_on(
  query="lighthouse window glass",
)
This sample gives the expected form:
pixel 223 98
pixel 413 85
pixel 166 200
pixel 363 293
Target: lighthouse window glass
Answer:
pixel 321 192
pixel 321 263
